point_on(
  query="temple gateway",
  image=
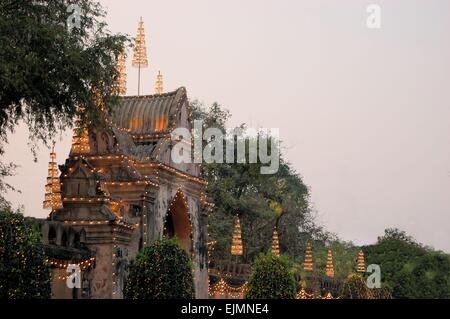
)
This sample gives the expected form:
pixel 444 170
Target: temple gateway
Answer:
pixel 118 191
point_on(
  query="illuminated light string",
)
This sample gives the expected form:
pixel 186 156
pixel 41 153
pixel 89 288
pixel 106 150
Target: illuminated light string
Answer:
pixel 222 288
pixel 302 294
pixel 113 265
pixel 84 264
pixel 100 222
pixel 143 165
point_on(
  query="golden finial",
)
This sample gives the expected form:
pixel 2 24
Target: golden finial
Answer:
pixel 121 82
pixel 330 266
pixel 53 199
pixel 80 139
pixel 360 263
pixel 308 264
pixel 275 243
pixel 140 52
pixel 159 83
pixel 236 244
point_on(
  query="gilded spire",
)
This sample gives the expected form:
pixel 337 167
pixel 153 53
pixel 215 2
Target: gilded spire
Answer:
pixel 53 199
pixel 308 264
pixel 140 50
pixel 159 83
pixel 330 266
pixel 80 139
pixel 236 244
pixel 121 82
pixel 360 263
pixel 275 243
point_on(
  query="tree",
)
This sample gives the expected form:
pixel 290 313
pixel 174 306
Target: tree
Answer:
pixel 261 201
pixel 47 70
pixel 271 278
pixel 23 270
pixel 161 271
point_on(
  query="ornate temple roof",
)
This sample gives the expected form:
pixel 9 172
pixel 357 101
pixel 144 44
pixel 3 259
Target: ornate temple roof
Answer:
pixel 148 114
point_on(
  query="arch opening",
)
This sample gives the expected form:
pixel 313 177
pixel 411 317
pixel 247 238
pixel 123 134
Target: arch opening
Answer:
pixel 177 223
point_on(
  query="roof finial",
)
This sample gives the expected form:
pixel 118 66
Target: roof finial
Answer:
pixel 236 243
pixel 140 52
pixel 80 139
pixel 330 266
pixel 121 81
pixel 275 243
pixel 159 83
pixel 360 263
pixel 308 264
pixel 53 199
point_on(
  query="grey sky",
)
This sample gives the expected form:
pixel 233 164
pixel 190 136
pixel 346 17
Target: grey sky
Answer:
pixel 364 114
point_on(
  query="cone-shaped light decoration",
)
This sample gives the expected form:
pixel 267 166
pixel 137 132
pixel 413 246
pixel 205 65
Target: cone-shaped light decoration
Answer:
pixel 140 52
pixel 275 243
pixel 53 199
pixel 121 82
pixel 159 83
pixel 330 267
pixel 236 244
pixel 80 139
pixel 308 264
pixel 360 263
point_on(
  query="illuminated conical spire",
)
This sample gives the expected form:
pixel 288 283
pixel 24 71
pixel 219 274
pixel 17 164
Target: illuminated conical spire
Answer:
pixel 275 243
pixel 121 82
pixel 236 244
pixel 159 83
pixel 80 139
pixel 53 199
pixel 330 267
pixel 140 52
pixel 360 263
pixel 308 264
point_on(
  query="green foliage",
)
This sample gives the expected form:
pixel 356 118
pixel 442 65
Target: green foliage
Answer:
pixel 261 201
pixel 47 72
pixel 23 271
pixel 408 269
pixel 271 278
pixel 161 271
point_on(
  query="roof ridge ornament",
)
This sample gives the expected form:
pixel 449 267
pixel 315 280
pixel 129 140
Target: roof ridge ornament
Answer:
pixel 140 52
pixel 159 84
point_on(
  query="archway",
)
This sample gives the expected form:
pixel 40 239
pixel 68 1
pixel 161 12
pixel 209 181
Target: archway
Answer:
pixel 177 223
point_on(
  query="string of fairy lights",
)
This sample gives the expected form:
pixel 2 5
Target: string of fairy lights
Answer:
pixel 64 264
pixel 222 289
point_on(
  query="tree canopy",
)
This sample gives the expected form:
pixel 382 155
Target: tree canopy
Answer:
pixel 48 70
pixel 262 201
pixel 408 269
pixel 23 270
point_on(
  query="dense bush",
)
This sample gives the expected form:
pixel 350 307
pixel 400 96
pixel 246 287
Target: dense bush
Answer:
pixel 271 278
pixel 161 271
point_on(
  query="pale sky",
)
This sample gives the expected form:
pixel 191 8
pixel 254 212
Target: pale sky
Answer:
pixel 364 113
